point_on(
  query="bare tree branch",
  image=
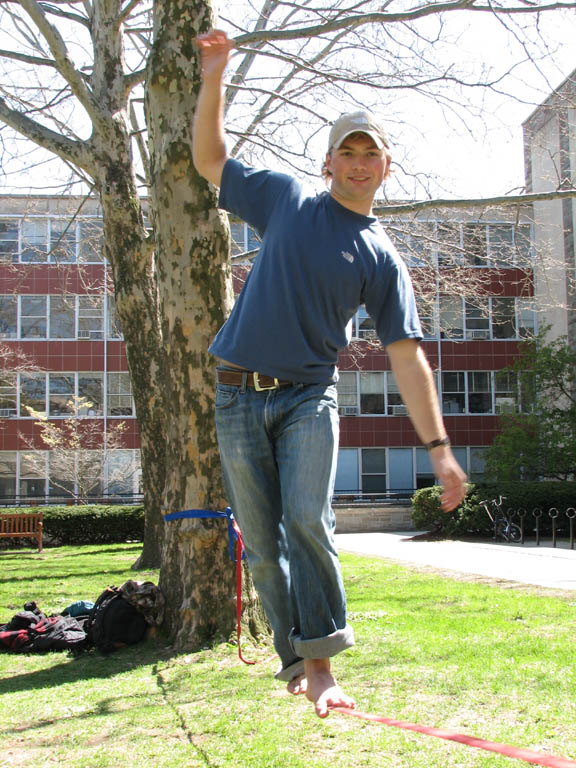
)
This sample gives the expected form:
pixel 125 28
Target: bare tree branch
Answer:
pixel 65 65
pixel 353 21
pixel 36 61
pixel 482 202
pixel 70 150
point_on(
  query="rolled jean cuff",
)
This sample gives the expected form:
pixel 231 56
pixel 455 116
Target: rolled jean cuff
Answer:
pixel 291 671
pixel 323 647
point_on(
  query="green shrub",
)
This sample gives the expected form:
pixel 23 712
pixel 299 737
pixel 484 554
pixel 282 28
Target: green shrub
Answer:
pixel 88 524
pixel 470 519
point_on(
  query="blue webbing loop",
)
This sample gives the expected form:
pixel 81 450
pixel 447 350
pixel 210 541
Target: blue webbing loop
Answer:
pixel 204 514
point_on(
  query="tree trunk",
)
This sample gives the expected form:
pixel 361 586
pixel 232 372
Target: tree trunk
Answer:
pixel 131 259
pixel 195 288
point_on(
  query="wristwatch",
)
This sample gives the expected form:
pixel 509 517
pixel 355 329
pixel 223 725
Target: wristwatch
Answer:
pixel 436 443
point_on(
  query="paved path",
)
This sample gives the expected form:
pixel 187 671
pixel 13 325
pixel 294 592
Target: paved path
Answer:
pixel 543 566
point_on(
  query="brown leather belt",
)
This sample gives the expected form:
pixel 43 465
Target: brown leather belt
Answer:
pixel 259 381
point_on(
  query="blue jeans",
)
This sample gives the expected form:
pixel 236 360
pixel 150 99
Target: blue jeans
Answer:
pixel 279 451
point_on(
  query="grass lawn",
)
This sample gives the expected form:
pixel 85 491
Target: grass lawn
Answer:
pixel 489 661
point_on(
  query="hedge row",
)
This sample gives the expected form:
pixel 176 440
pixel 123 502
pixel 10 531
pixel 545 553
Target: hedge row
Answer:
pixel 471 519
pixel 87 524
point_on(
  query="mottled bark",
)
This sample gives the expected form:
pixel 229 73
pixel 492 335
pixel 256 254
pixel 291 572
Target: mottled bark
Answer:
pixel 195 289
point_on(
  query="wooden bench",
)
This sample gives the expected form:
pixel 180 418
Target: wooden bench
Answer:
pixel 22 525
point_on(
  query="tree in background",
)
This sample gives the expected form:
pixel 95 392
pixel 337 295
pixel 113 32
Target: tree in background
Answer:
pixel 539 441
pixel 81 454
pixel 109 87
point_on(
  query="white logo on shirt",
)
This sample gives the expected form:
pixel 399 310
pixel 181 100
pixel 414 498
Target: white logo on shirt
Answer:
pixel 348 256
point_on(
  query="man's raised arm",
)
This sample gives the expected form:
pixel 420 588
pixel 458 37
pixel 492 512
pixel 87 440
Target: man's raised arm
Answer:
pixel 208 141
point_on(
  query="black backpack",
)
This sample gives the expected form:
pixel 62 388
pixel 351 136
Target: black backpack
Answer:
pixel 114 623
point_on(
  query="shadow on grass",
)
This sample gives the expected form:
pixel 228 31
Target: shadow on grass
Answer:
pixel 87 666
pixel 34 577
pixel 54 553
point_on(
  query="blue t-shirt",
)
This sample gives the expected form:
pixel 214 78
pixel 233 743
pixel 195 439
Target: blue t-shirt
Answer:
pixel 318 262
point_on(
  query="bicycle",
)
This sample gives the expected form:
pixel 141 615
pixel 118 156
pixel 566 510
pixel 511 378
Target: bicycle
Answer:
pixel 504 528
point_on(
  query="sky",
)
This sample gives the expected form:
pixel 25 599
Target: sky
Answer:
pixel 469 156
pixel 489 159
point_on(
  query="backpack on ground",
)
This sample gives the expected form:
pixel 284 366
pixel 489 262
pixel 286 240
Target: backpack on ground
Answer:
pixel 114 623
pixel 31 631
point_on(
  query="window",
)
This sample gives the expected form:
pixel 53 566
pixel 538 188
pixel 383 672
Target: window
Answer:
pixel 61 394
pixel 91 241
pixel 33 324
pixel 479 392
pixel 62 241
pixel 237 231
pixel 426 313
pixel 523 243
pixel 90 394
pixel 417 246
pixel 32 394
pixel 34 240
pixel 453 392
pixel 61 473
pixel 113 330
pixel 33 474
pixel 366 328
pixel 347 394
pixel 372 392
pixel 474 242
pixel 501 245
pixel 7 474
pixel 451 317
pixel 8 395
pixel 373 470
pixel 347 471
pixel 8 317
pixel 505 392
pixel 8 241
pixel 62 317
pixel 477 464
pixel 122 472
pixel 253 240
pixel 449 246
pixel 91 317
pixel 503 318
pixel 396 406
pixel 526 318
pixel 119 395
pixel 477 319
pixel 425 476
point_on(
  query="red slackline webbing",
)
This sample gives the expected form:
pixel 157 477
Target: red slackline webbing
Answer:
pixel 528 755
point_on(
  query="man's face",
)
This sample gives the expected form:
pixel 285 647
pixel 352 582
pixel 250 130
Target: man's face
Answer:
pixel 358 168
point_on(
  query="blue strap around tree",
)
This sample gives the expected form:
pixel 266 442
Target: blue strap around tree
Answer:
pixel 204 514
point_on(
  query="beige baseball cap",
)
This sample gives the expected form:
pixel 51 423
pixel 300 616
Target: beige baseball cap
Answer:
pixel 357 122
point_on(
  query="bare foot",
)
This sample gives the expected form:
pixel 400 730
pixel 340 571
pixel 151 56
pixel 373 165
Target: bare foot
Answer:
pixel 297 685
pixel 322 689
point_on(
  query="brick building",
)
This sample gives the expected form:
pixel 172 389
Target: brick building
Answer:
pixel 484 278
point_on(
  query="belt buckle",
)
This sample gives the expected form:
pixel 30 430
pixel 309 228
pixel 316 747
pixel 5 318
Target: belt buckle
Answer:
pixel 259 388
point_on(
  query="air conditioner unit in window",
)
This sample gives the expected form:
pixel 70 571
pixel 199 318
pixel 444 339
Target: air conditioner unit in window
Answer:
pixel 5 413
pixel 348 410
pixel 479 334
pixel 398 410
pixel 368 333
pixel 83 334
